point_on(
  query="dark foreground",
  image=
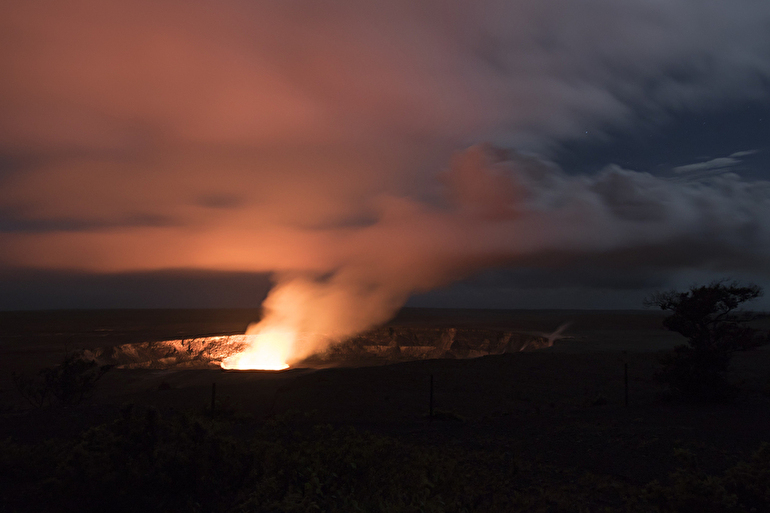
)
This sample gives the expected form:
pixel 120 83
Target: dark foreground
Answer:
pixel 534 431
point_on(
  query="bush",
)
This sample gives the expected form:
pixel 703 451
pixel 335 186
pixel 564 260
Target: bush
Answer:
pixel 743 487
pixel 187 462
pixel 69 383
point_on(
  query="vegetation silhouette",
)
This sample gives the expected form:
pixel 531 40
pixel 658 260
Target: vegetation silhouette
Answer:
pixel 69 382
pixel 143 461
pixel 709 317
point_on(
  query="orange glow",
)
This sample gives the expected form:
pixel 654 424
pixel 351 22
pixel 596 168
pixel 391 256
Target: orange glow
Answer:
pixel 268 350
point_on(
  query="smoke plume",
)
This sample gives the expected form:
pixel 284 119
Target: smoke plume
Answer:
pixel 504 209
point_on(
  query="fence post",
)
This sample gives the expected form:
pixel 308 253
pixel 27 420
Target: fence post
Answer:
pixel 625 380
pixel 430 404
pixel 213 398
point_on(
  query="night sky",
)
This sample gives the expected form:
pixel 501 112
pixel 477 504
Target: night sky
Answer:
pixel 366 155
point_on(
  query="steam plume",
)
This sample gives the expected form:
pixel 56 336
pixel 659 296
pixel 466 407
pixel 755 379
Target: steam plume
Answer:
pixel 504 209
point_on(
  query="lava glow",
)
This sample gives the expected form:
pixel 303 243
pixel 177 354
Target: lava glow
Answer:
pixel 268 350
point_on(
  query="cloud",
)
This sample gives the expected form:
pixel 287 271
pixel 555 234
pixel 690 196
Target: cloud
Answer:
pixel 715 166
pixel 720 163
pixel 30 289
pixel 111 75
pixel 744 153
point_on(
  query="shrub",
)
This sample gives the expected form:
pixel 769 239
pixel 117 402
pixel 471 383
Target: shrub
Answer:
pixel 70 382
pixel 743 487
pixel 188 462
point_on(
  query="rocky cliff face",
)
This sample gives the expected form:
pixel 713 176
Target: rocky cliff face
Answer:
pixel 381 344
pixel 192 353
pixel 421 343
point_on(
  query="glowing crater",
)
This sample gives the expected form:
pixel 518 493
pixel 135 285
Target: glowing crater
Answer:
pixel 268 350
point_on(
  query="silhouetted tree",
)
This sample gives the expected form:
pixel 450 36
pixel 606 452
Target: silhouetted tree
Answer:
pixel 708 316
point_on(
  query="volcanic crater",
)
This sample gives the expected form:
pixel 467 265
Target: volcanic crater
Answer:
pixel 380 345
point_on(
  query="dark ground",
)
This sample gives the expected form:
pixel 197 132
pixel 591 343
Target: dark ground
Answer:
pixel 562 407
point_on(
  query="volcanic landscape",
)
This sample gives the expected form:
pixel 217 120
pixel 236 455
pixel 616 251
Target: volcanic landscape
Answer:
pixel 497 377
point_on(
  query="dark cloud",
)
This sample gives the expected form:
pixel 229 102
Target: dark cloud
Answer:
pixel 22 289
pixel 587 275
pixel 13 222
pixel 220 201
